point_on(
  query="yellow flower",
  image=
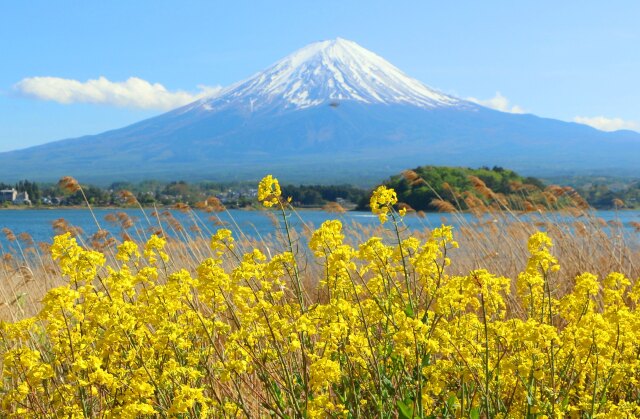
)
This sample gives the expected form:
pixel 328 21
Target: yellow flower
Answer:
pixel 141 341
pixel 326 238
pixel 269 191
pixel 221 241
pixel 323 373
pixel 382 201
pixel 155 245
pixel 127 250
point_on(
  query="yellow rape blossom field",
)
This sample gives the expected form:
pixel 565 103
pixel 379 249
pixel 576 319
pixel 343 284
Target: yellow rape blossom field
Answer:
pixel 387 329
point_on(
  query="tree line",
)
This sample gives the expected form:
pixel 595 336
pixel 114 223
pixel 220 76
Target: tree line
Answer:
pixel 421 188
pixel 31 188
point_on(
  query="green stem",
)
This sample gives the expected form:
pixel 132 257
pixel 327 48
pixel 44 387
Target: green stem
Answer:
pixel 486 357
pixel 296 272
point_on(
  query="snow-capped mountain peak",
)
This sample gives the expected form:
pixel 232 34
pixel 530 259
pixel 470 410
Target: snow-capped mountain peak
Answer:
pixel 326 72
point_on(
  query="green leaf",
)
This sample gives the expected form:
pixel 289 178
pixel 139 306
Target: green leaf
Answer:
pixel 276 390
pixel 388 385
pixel 474 413
pixel 408 311
pixel 405 411
pixel 426 360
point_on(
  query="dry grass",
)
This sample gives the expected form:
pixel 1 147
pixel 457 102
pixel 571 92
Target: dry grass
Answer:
pixel 495 240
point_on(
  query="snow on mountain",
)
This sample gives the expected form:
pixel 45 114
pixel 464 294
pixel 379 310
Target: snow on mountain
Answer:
pixel 325 72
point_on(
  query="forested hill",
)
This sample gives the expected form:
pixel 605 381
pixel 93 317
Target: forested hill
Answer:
pixel 429 188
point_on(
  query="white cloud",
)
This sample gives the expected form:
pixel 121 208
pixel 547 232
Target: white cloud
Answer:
pixel 133 93
pixel 498 102
pixel 607 124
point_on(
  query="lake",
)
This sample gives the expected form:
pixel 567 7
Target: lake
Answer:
pixel 38 222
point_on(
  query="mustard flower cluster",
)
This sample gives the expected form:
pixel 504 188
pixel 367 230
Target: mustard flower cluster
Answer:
pixel 389 332
pixel 269 191
pixel 382 201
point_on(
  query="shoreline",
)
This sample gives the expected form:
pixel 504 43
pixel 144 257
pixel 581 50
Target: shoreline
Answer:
pixel 165 207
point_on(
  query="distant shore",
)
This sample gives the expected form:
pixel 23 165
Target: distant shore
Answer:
pixel 163 207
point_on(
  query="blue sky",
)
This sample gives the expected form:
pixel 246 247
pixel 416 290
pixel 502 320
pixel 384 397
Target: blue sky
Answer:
pixel 564 60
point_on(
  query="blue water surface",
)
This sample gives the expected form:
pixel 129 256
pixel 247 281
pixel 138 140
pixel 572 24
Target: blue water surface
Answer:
pixel 38 223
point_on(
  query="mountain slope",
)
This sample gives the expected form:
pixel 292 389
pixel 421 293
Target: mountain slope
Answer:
pixel 332 111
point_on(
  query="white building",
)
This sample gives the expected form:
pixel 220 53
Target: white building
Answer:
pixel 22 198
pixel 8 195
pixel 15 197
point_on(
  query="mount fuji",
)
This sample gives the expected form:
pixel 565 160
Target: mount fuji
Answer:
pixel 332 111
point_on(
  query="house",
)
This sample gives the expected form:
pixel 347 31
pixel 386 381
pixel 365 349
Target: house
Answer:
pixel 15 197
pixel 22 198
pixel 8 195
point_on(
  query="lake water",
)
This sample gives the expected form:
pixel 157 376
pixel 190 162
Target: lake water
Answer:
pixel 38 223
